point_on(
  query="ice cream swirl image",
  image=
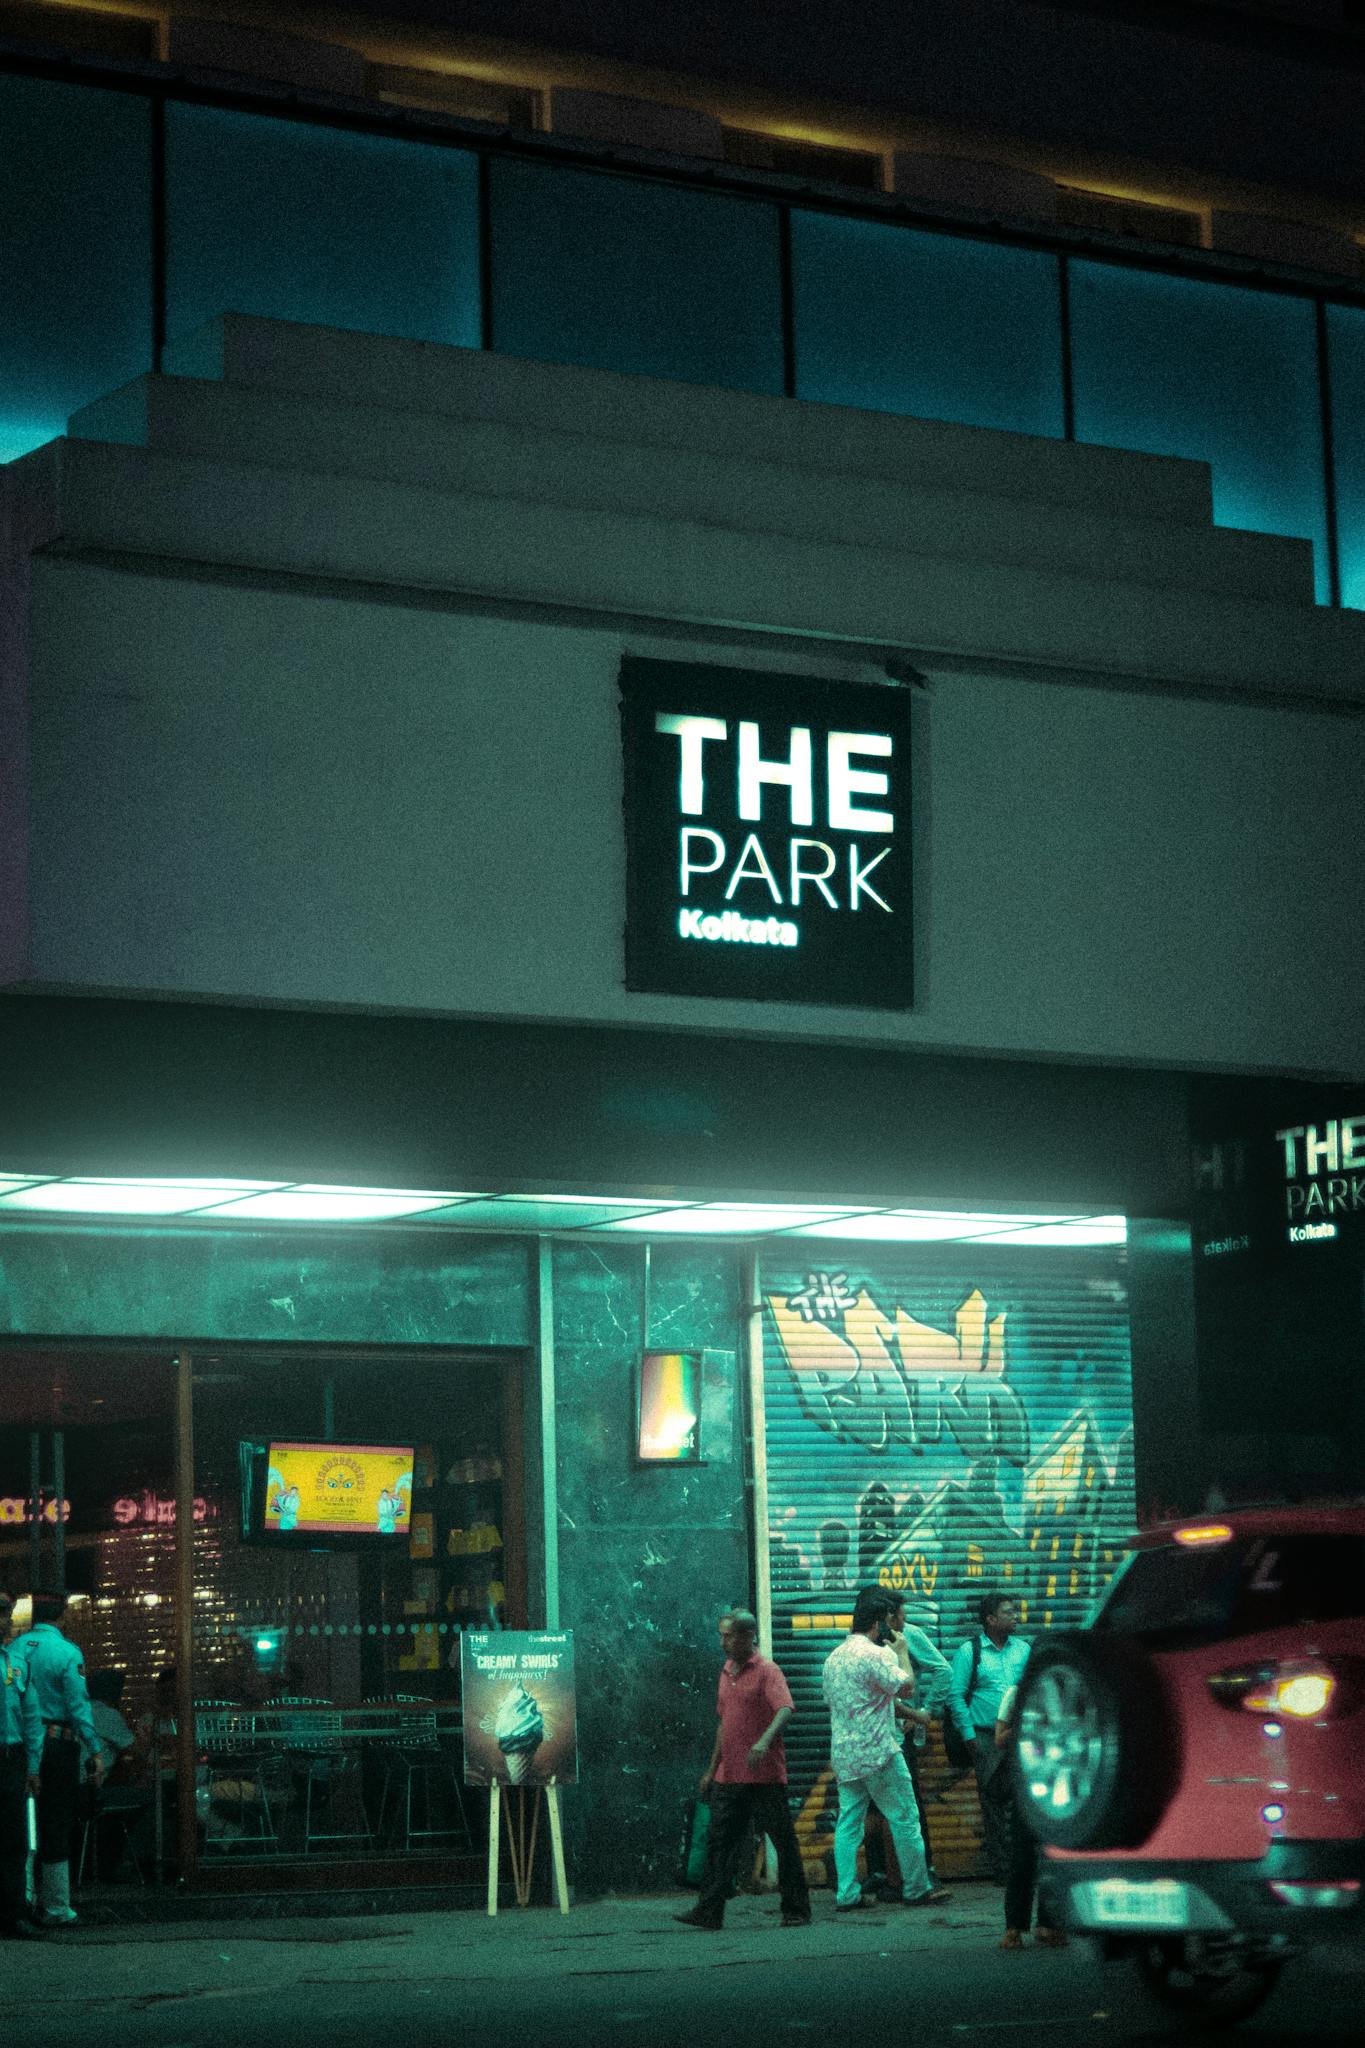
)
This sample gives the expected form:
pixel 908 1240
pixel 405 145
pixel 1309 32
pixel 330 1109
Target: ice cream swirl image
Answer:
pixel 518 1730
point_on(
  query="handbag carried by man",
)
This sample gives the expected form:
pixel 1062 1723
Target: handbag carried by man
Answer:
pixel 696 1832
pixel 955 1745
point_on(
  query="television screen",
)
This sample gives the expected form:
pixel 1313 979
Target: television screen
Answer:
pixel 338 1490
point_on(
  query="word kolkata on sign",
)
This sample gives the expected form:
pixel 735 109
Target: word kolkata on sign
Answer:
pixel 766 819
pixel 1324 1176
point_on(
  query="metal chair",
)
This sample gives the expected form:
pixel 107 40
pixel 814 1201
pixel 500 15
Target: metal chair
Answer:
pixel 333 1772
pixel 112 1802
pixel 418 1774
pixel 234 1779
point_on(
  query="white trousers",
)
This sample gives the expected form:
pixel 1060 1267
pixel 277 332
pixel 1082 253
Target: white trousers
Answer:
pixel 888 1789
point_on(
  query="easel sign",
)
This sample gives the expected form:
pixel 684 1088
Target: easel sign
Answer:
pixel 521 1739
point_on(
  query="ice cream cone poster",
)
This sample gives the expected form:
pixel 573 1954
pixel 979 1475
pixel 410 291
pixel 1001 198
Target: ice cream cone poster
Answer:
pixel 520 1719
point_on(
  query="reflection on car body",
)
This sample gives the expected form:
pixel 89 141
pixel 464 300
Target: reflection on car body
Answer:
pixel 1193 1760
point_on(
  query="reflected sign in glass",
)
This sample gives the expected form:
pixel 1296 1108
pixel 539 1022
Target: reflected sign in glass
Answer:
pixel 767 836
pixel 668 1431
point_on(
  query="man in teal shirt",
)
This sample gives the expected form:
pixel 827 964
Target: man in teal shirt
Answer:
pixel 21 1750
pixel 55 1670
pixel 984 1669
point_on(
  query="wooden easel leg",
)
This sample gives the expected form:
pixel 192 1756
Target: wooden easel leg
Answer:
pixel 557 1847
pixel 494 1814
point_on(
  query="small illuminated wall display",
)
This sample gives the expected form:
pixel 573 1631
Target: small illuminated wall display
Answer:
pixel 767 836
pixel 668 1425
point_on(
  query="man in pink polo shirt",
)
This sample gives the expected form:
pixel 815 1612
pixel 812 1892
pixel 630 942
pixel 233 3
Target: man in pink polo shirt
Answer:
pixel 746 1779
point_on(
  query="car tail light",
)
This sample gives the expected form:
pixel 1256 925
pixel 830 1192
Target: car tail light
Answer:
pixel 1307 1892
pixel 1206 1535
pixel 1312 1689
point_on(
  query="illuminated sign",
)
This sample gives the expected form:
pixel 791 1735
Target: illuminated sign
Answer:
pixel 144 1510
pixel 767 836
pixel 1282 1186
pixel 668 1427
pixel 1324 1176
pixel 14 1508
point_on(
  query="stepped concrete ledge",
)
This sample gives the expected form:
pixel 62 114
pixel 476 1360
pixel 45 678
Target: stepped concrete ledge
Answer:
pixel 121 501
pixel 280 430
pixel 425 377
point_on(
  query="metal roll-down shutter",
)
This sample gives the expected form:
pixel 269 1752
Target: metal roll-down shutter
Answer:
pixel 941 1420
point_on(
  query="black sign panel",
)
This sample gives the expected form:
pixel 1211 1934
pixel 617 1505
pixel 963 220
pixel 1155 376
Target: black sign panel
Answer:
pixel 767 836
pixel 1298 1182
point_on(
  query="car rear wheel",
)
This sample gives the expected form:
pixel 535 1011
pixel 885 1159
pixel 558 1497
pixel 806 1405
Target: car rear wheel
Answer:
pixel 1094 1754
pixel 1216 1980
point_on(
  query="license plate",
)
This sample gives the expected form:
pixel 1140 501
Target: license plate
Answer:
pixel 1139 1903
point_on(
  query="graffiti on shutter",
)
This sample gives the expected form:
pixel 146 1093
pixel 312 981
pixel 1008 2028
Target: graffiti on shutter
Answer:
pixel 941 1420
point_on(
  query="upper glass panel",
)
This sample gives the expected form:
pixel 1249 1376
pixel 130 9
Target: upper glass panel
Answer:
pixel 946 329
pixel 1179 1598
pixel 297 222
pixel 642 278
pixel 1346 361
pixel 75 286
pixel 1174 366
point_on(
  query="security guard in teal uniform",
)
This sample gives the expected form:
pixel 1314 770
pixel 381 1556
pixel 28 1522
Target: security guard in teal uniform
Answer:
pixel 21 1750
pixel 56 1673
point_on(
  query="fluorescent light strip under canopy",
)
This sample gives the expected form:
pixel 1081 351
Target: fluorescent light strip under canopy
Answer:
pixel 257 1201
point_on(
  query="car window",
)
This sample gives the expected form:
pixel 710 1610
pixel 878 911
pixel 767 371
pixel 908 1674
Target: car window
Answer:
pixel 1179 1595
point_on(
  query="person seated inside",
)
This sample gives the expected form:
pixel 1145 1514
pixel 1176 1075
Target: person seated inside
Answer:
pixel 114 1808
pixel 106 1697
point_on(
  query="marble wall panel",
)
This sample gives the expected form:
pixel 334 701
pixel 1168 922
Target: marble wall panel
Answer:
pixel 649 1557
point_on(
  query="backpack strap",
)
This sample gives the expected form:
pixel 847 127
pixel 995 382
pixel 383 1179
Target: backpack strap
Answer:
pixel 976 1667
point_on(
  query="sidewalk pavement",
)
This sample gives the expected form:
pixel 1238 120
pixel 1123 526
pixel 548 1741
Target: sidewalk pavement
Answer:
pixel 90 1968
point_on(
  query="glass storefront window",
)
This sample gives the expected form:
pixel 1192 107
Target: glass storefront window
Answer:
pixel 1176 366
pixel 941 327
pixel 623 275
pixel 1346 370
pixel 75 253
pixel 298 222
pixel 328 1664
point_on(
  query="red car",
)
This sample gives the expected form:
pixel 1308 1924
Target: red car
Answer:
pixel 1194 1760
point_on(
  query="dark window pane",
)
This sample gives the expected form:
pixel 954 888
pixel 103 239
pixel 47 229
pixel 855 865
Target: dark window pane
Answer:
pixel 933 325
pixel 316 224
pixel 1346 356
pixel 75 253
pixel 1207 1594
pixel 1173 366
pixel 637 277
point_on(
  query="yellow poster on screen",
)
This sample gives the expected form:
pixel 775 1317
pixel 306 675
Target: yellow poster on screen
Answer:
pixel 326 1489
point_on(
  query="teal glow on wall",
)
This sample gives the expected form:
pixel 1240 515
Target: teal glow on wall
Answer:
pixel 1228 376
pixel 297 222
pixel 624 275
pixel 1346 369
pixel 933 325
pixel 314 1287
pixel 75 272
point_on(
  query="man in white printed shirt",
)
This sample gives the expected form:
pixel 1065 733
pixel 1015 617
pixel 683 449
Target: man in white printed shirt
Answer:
pixel 862 1682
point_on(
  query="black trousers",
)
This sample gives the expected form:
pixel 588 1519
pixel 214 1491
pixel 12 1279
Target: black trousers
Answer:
pixel 734 1809
pixel 993 1784
pixel 874 1846
pixel 59 1790
pixel 1021 1881
pixel 13 1833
